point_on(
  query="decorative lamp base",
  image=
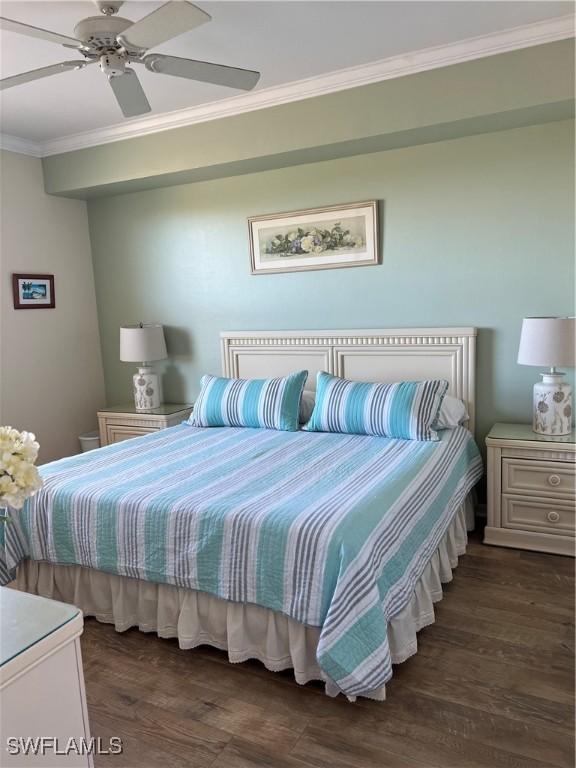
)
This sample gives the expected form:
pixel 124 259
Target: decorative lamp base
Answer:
pixel 146 389
pixel 552 405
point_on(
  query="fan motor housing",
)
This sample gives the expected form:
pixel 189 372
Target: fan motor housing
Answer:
pixel 100 31
pixel 112 64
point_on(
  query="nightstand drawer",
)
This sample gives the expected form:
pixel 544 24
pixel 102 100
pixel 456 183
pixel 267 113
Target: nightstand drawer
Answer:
pixel 541 478
pixel 529 513
pixel 116 433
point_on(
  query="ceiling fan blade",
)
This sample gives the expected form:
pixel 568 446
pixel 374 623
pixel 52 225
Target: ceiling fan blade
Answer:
pixel 219 74
pixel 44 34
pixel 129 94
pixel 168 21
pixel 37 74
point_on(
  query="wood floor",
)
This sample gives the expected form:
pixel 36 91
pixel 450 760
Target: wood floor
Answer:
pixel 491 686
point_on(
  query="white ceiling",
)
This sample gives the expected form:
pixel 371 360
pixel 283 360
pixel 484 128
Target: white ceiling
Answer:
pixel 286 41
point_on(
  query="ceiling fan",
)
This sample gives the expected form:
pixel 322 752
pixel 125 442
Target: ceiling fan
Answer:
pixel 114 42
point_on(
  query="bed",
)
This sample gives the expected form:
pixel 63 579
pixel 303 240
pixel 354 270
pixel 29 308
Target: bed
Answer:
pixel 319 552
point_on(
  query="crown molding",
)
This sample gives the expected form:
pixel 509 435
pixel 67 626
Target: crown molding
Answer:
pixel 504 41
pixel 21 146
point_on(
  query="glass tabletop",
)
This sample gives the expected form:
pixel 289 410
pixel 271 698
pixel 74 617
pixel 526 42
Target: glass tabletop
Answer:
pixel 26 619
pixel 164 410
pixel 524 432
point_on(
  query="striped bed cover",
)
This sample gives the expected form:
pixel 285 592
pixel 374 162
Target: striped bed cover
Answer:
pixel 333 530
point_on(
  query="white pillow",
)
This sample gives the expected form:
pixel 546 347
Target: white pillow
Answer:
pixel 452 413
pixel 306 406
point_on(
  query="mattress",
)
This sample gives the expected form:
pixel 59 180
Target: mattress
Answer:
pixel 331 530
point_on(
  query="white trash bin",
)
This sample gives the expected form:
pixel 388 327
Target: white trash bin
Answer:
pixel 89 441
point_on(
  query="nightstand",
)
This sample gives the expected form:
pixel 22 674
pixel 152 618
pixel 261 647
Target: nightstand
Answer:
pixel 531 489
pixel 121 422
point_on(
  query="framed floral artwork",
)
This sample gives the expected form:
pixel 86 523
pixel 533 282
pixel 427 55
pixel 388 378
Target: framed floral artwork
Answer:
pixel 33 291
pixel 318 238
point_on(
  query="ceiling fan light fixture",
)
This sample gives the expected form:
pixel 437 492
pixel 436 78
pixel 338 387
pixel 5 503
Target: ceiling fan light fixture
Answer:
pixel 114 42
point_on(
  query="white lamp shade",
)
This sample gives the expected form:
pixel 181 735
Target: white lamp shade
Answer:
pixel 547 341
pixel 142 343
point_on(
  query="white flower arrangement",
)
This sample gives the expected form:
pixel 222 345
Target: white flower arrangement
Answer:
pixel 314 240
pixel 19 478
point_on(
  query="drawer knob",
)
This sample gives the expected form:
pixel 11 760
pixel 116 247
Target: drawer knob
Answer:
pixel 553 517
pixel 554 480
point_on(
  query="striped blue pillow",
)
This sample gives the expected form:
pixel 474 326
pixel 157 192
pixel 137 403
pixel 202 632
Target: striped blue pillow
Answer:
pixel 265 403
pixel 404 410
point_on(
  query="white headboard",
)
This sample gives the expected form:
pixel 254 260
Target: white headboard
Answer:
pixel 388 354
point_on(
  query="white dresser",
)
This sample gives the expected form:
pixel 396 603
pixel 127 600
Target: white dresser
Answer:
pixel 531 489
pixel 42 698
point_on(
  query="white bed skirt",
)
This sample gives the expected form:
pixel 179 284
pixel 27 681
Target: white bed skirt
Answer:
pixel 246 631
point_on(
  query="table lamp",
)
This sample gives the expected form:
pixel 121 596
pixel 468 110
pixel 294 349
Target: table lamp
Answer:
pixel 549 341
pixel 144 343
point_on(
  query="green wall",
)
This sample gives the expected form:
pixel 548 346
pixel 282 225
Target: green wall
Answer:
pixel 476 231
pixel 510 90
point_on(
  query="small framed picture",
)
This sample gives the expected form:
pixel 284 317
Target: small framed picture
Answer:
pixel 33 291
pixel 317 238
